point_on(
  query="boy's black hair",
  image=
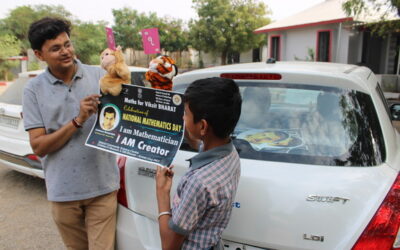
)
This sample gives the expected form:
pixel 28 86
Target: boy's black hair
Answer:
pixel 47 28
pixel 218 101
pixel 109 110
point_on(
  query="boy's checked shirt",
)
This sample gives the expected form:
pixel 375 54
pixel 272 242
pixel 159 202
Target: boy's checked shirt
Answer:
pixel 203 203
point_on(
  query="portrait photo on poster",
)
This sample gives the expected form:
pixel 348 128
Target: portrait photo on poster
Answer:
pixel 109 117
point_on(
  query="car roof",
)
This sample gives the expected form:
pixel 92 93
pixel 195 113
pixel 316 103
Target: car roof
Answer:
pixel 31 73
pixel 37 72
pixel 313 73
pixel 135 68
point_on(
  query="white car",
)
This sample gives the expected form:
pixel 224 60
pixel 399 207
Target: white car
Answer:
pixel 320 163
pixel 15 150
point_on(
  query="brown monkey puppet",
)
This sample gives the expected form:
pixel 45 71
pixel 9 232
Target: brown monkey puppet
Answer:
pixel 161 71
pixel 117 72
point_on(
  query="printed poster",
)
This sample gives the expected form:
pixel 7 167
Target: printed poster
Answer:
pixel 143 123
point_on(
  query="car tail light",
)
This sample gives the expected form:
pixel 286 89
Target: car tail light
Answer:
pixel 383 230
pixel 252 76
pixel 33 157
pixel 122 191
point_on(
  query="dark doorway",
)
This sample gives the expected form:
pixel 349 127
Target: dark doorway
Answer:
pixel 256 55
pixel 233 57
pixel 275 47
pixel 324 46
pixel 371 52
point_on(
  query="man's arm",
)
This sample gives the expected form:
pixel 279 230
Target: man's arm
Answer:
pixel 170 240
pixel 43 144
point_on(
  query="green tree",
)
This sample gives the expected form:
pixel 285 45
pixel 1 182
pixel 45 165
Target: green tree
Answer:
pixel 18 21
pixel 172 35
pixel 226 26
pixel 129 23
pixel 9 46
pixel 89 41
pixel 383 8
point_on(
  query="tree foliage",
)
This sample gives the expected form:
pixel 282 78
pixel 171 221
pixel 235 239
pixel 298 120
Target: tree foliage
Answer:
pixel 129 23
pixel 226 26
pixel 9 46
pixel 19 19
pixel 172 35
pixel 384 8
pixel 89 41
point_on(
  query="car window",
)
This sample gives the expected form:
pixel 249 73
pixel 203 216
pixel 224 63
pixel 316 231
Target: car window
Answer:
pixel 383 99
pixel 13 93
pixel 137 78
pixel 308 124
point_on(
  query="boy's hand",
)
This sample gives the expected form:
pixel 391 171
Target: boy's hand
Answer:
pixel 164 179
pixel 88 106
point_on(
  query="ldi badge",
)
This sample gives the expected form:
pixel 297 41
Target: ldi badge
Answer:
pixel 313 237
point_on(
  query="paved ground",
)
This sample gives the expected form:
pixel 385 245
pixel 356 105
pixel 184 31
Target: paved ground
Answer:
pixel 25 217
pixel 2 88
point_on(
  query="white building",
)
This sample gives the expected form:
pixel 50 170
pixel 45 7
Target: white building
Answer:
pixel 325 33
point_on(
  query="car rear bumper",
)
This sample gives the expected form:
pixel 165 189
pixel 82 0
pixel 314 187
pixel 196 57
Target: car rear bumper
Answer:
pixel 21 164
pixel 135 231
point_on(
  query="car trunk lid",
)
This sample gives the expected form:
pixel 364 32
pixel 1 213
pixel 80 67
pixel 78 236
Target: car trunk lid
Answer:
pixel 284 205
pixel 11 121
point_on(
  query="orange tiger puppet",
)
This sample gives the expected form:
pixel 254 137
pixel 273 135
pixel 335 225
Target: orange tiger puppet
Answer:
pixel 161 71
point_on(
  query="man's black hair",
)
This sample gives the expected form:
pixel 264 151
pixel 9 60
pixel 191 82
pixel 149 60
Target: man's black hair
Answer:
pixel 218 101
pixel 47 28
pixel 109 110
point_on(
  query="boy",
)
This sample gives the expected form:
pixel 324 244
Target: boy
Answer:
pixel 203 203
pixel 58 108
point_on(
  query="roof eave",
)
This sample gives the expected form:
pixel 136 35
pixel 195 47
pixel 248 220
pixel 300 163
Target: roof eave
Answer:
pixel 340 20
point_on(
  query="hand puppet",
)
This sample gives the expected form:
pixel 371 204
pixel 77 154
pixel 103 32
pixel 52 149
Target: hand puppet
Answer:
pixel 117 72
pixel 161 71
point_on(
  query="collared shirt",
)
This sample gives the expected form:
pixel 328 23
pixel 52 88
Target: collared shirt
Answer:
pixel 75 171
pixel 203 203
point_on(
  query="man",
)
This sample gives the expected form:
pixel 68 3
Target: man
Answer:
pixel 109 118
pixel 58 108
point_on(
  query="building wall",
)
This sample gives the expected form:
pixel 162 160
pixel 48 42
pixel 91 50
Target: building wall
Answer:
pixel 342 44
pixel 295 43
pixel 246 56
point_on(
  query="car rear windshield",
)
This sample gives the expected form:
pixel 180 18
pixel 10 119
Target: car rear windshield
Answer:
pixel 13 93
pixel 308 125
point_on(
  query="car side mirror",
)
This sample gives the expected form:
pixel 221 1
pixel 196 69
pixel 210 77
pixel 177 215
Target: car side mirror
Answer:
pixel 395 111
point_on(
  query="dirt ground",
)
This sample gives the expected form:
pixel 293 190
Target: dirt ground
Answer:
pixel 25 216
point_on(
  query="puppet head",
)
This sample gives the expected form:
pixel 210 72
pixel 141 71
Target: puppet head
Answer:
pixel 107 58
pixel 117 71
pixel 161 71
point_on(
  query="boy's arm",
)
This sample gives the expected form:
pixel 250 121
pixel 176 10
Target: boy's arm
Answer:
pixel 170 240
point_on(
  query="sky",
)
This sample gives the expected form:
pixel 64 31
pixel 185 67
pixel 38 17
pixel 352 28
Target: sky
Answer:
pixel 95 10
